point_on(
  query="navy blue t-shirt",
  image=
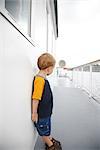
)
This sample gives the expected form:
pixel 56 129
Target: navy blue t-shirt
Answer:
pixel 46 103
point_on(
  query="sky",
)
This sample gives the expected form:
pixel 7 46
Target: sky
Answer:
pixel 79 31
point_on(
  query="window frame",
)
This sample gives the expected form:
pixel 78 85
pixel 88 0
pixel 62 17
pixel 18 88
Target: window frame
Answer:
pixel 10 19
pixel 29 18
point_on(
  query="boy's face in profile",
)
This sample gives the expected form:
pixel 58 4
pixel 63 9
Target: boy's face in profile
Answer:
pixel 50 70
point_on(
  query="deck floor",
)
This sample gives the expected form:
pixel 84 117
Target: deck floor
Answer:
pixel 75 120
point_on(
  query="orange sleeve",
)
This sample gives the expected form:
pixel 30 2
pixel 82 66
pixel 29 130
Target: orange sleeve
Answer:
pixel 38 88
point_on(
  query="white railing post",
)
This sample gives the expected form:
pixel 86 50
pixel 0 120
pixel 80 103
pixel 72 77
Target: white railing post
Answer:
pixel 90 93
pixel 82 78
pixel 88 78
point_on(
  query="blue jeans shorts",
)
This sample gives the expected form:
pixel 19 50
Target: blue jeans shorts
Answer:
pixel 43 126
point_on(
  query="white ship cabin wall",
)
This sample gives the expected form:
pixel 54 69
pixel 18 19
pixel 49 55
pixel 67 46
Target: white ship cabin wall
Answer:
pixel 22 40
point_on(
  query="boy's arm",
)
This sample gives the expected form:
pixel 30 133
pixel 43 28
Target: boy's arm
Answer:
pixel 36 97
pixel 35 107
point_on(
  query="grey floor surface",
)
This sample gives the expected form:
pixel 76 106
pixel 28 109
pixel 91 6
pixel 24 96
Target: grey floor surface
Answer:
pixel 75 120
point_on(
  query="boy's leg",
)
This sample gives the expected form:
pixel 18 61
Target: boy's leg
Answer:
pixel 47 140
pixel 55 143
pixel 54 140
pixel 44 128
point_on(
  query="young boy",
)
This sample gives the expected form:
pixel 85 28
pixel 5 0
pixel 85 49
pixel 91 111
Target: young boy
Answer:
pixel 42 101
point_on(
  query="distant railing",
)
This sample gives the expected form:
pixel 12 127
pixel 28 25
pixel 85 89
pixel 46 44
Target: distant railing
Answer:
pixel 87 77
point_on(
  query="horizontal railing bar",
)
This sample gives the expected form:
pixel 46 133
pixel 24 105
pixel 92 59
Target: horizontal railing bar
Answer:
pixel 86 64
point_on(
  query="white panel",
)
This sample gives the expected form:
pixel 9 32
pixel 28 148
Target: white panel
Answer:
pixel 2 3
pixel 96 85
pixel 19 57
pixel 39 23
pixel 1 78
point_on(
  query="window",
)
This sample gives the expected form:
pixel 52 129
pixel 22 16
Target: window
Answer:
pixel 20 10
pixel 96 68
pixel 86 68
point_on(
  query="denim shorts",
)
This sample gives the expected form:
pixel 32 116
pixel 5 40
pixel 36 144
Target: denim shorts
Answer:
pixel 43 126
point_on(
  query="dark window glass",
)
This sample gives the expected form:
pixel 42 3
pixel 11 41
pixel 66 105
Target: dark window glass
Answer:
pixel 96 68
pixel 20 11
pixel 86 68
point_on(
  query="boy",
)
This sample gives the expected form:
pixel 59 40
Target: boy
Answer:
pixel 42 101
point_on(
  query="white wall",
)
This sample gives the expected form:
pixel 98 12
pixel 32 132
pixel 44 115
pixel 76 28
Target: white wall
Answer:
pixel 39 29
pixel 17 67
pixel 1 79
pixel 1 3
pixel 18 61
pixel 39 23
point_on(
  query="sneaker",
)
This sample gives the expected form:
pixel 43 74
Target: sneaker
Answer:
pixel 56 143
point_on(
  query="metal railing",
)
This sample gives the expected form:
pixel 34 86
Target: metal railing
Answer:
pixel 87 77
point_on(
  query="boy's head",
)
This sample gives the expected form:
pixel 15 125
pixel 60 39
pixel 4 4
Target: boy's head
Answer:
pixel 46 62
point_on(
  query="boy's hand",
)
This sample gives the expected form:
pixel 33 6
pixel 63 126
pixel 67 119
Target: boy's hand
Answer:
pixel 34 117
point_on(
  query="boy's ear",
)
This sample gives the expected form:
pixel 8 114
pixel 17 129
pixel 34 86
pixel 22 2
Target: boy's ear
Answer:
pixel 47 69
